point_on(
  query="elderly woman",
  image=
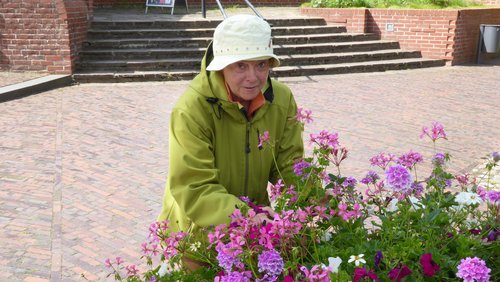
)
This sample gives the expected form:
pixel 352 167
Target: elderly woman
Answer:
pixel 216 125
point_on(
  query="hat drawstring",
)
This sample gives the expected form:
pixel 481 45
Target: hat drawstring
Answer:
pixel 213 101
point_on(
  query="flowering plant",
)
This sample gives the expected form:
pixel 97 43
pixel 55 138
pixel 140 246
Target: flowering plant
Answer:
pixel 388 226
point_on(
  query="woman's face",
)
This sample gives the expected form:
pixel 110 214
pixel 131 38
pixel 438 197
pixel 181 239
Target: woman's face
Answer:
pixel 246 78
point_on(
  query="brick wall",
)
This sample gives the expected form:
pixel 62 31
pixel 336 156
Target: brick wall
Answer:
pixel 42 36
pixel 467 32
pixel 439 34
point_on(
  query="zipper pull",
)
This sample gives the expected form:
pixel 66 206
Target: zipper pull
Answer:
pixel 247 141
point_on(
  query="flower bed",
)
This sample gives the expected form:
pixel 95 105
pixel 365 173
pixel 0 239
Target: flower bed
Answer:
pixel 388 226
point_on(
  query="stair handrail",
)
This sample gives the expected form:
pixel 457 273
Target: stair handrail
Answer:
pixel 224 15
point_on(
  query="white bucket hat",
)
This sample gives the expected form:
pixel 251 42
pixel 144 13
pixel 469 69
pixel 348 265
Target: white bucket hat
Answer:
pixel 242 38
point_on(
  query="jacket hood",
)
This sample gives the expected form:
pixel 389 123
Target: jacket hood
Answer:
pixel 211 83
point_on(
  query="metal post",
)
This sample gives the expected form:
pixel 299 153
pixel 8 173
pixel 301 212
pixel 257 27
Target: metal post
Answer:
pixel 480 44
pixel 203 9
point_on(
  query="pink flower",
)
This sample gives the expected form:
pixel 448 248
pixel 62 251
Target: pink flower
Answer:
pixel 263 138
pixel 275 190
pixel 303 116
pixel 436 132
pixel 131 270
pixel 325 139
pixel 410 159
pixel 119 260
pixel 107 263
pixel 317 273
pixel 429 266
pixel 398 178
pixel 381 160
pixel 473 269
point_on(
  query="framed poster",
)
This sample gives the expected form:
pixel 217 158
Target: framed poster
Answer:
pixel 163 4
pixel 160 3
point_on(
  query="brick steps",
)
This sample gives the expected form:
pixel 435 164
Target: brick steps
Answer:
pixel 285 71
pixel 197 52
pixel 160 61
pixel 172 50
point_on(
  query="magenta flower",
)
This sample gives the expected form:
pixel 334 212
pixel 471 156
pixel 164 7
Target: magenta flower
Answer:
pixel 325 139
pixel 381 160
pixel 299 166
pixel 263 138
pixel 235 276
pixel 495 156
pixel 398 178
pixel 271 263
pixel 398 273
pixel 371 177
pixel 436 132
pixel 462 179
pixel 276 189
pixel 226 258
pixel 349 182
pixel 439 159
pixel 493 196
pixel 410 159
pixel 317 273
pixel 428 265
pixel 362 273
pixel 473 269
pixel 131 270
pixel 107 263
pixel 303 116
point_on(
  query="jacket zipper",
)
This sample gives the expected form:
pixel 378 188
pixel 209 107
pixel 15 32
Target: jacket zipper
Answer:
pixel 247 152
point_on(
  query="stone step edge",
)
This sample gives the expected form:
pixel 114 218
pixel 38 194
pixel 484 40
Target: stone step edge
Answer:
pixel 34 86
pixel 282 57
pixel 275 46
pixel 280 28
pixel 179 75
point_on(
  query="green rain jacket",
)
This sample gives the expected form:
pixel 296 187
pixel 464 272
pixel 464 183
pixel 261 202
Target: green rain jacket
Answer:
pixel 213 151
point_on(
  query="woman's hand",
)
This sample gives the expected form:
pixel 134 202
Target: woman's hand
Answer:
pixel 265 214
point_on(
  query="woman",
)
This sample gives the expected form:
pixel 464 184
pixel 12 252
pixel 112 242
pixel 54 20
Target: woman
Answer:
pixel 216 125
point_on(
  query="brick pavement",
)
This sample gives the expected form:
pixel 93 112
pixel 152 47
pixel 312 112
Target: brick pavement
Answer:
pixel 83 168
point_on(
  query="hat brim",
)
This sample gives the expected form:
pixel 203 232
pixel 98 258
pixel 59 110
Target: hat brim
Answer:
pixel 220 62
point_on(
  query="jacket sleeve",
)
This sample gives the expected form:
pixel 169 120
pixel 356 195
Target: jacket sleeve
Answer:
pixel 193 178
pixel 290 146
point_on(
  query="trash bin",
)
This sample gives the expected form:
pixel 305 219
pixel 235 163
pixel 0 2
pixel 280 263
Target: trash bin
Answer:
pixel 491 38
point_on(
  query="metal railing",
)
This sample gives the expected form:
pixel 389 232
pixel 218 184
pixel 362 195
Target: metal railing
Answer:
pixel 204 9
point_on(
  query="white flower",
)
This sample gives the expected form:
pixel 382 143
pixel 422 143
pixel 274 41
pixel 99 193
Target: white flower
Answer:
pixel 327 236
pixel 163 269
pixel 329 192
pixel 393 205
pixel 371 209
pixel 415 203
pixel 195 246
pixel 357 259
pixel 468 198
pixel 166 268
pixel 334 264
